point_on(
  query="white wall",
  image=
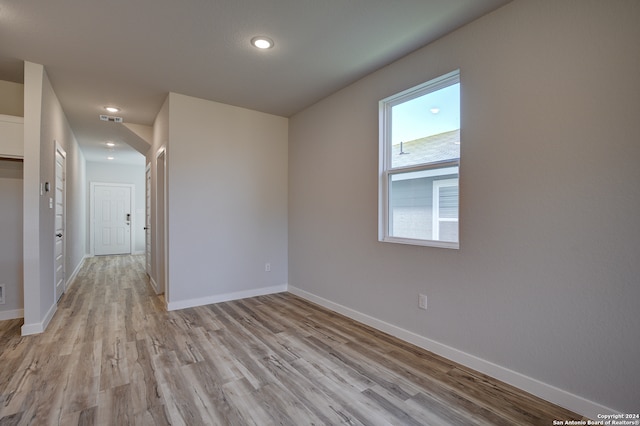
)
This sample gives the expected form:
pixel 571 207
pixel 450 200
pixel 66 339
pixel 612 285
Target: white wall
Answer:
pixel 119 173
pixel 227 205
pixel 11 241
pixel 547 281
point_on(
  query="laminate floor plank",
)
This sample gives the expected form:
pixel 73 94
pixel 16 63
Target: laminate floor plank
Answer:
pixel 242 395
pixel 222 367
pixel 144 387
pixel 83 380
pixel 11 420
pixel 252 331
pixel 209 390
pixel 356 408
pixel 456 409
pixel 113 355
pixel 86 417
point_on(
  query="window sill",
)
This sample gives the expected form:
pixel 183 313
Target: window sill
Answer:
pixel 424 243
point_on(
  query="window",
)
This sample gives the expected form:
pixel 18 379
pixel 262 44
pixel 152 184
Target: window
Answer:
pixel 420 163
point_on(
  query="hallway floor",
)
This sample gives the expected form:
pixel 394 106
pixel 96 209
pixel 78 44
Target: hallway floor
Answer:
pixel 113 355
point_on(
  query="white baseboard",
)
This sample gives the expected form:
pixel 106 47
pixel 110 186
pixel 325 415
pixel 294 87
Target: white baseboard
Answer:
pixel 12 314
pixel 154 285
pixel 39 327
pixel 72 278
pixel 557 396
pixel 182 304
pixel 137 252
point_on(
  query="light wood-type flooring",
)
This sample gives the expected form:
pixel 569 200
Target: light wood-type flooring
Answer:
pixel 113 355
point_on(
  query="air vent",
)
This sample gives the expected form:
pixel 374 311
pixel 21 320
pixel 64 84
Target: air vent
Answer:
pixel 111 118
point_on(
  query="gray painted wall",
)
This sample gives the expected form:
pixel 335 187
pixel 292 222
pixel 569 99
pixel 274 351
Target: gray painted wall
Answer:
pixel 11 184
pixel 11 241
pixel 46 123
pixel 547 280
pixel 77 214
pixel 11 98
pixel 227 205
pixel 118 173
pixel 56 128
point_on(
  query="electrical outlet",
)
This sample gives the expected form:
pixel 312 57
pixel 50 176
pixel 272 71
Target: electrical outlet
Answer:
pixel 267 267
pixel 422 301
pixel 1 294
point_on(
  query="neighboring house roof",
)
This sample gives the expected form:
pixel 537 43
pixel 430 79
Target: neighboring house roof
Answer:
pixel 440 147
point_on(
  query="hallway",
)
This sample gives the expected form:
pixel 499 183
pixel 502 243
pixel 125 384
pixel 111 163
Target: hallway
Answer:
pixel 113 355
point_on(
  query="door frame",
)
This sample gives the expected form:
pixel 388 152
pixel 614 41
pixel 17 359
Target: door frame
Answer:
pixel 147 220
pixel 132 194
pixel 59 149
pixel 161 258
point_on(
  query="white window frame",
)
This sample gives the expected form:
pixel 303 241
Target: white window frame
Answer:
pixel 386 170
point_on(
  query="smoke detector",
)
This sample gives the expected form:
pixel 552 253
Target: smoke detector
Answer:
pixel 110 118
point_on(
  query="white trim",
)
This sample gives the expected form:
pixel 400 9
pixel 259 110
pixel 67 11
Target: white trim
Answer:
pixel 137 252
pixel 11 157
pixel 153 283
pixel 148 184
pixel 424 173
pixel 209 300
pixel 12 118
pixel 164 260
pixel 385 166
pixel 433 85
pixel 550 393
pixel 424 243
pixel 59 149
pixel 72 278
pixel 36 328
pixel 132 206
pixel 12 314
pixel 12 129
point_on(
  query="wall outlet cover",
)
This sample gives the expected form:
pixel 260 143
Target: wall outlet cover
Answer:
pixel 422 301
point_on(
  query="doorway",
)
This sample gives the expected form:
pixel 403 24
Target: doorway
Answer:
pixel 60 221
pixel 111 219
pixel 161 253
pixel 147 220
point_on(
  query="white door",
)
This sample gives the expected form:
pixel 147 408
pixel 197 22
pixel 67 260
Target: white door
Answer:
pixel 112 219
pixel 147 220
pixel 59 201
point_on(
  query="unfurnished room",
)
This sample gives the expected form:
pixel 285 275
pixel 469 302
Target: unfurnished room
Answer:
pixel 365 212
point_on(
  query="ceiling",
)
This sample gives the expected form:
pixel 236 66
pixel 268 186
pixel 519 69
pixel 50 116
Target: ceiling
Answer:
pixel 132 53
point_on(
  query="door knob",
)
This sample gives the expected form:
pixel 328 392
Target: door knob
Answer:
pixel 59 235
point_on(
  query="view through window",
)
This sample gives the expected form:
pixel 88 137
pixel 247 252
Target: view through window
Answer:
pixel 420 156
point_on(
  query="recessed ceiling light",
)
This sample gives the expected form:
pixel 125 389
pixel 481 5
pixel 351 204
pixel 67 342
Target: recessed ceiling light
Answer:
pixel 262 42
pixel 112 109
pixel 111 144
pixel 110 158
pixel 434 110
